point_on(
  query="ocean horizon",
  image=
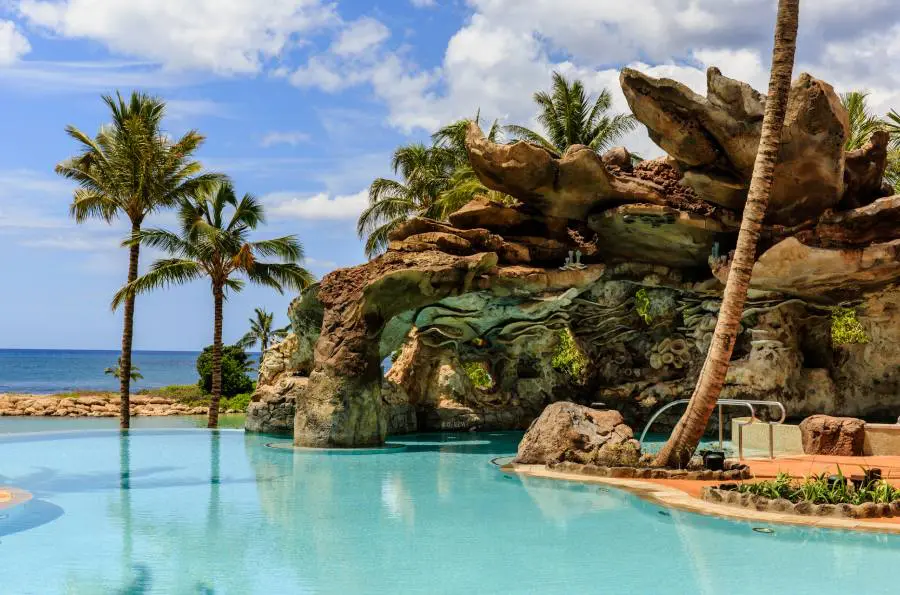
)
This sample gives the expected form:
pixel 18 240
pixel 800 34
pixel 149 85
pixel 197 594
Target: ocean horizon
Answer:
pixel 47 371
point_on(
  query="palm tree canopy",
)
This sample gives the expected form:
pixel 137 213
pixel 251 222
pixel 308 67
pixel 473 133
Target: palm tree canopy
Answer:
pixel 862 122
pixel 436 181
pixel 131 166
pixel 261 330
pixel 213 243
pixel 570 116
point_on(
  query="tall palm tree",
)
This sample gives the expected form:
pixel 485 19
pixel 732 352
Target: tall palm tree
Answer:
pixel 261 331
pixel 213 245
pixel 436 180
pixel 572 117
pixel 862 122
pixel 687 433
pixel 131 169
pixel 116 371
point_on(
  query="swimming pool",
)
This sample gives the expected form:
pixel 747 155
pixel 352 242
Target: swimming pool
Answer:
pixel 192 511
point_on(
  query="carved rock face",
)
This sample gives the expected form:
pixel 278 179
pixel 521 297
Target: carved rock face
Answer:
pixel 716 138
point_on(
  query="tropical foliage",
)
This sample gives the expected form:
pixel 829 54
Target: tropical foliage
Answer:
pixel 236 367
pixel 862 122
pixel 892 174
pixel 214 244
pixel 568 357
pixel 131 169
pixel 261 331
pixel 478 375
pixel 116 371
pixel 823 489
pixel 436 180
pixel 846 328
pixel 570 116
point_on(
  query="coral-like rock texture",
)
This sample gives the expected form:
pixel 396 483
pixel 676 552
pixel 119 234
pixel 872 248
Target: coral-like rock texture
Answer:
pixel 631 259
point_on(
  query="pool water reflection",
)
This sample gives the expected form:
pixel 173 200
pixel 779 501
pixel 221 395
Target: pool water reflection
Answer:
pixel 192 511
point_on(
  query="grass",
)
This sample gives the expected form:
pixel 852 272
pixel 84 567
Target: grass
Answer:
pixel 819 490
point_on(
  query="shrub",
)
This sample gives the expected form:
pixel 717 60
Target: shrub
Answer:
pixel 642 305
pixel 239 402
pixel 235 367
pixel 819 490
pixel 568 358
pixel 846 328
pixel 479 375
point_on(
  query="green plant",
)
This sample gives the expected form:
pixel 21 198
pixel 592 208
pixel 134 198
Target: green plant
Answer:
pixel 261 331
pixel 116 372
pixel 238 402
pixel 568 357
pixel 846 328
pixel 822 489
pixel 642 305
pixel 235 367
pixel 478 374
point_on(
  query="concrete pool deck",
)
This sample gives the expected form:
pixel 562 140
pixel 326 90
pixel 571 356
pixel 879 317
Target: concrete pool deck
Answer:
pixel 683 494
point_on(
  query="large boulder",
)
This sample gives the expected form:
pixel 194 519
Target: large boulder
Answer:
pixel 826 435
pixel 569 432
pixel 716 137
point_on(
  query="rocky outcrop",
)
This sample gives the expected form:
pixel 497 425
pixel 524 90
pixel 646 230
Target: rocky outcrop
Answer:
pixel 631 259
pixel 566 432
pixel 93 406
pixel 826 435
pixel 716 138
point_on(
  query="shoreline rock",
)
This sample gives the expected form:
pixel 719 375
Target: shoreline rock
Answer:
pixel 28 405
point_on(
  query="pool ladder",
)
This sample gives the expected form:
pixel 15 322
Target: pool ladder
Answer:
pixel 749 404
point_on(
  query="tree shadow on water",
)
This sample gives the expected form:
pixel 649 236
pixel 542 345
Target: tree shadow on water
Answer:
pixel 142 583
pixel 29 515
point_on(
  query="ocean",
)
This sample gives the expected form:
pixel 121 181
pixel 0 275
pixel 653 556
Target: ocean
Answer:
pixel 43 371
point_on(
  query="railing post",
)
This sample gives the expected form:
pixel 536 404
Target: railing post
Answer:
pixel 771 441
pixel 740 442
pixel 721 429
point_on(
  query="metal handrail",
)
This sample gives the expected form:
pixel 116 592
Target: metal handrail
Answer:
pixel 749 403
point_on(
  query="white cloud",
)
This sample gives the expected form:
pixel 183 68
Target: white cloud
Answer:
pixel 224 36
pixel 286 137
pixel 179 109
pixel 90 77
pixel 13 45
pixel 423 3
pixel 319 206
pixel 359 36
pixel 76 243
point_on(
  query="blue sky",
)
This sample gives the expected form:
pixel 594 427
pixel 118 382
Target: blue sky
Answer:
pixel 302 102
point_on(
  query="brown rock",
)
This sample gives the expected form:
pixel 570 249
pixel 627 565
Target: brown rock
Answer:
pixel 864 171
pixel 826 435
pixel 569 432
pixel 618 157
pixel 568 187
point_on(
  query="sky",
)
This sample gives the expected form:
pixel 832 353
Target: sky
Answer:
pixel 303 101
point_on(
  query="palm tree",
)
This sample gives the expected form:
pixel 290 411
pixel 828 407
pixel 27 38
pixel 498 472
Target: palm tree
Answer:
pixel 437 180
pixel 892 173
pixel 116 371
pixel 131 169
pixel 687 433
pixel 213 245
pixel 571 117
pixel 862 122
pixel 261 331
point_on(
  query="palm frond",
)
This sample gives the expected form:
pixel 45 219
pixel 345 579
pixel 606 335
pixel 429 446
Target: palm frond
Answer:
pixel 162 273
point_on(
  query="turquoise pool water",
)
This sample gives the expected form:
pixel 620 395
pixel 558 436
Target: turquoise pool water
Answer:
pixel 189 511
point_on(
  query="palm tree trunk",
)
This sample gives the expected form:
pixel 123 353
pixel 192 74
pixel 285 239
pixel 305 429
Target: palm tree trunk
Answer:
pixel 264 344
pixel 218 299
pixel 127 335
pixel 686 436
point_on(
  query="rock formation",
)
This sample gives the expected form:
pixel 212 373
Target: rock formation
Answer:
pixel 826 435
pixel 566 432
pixel 631 259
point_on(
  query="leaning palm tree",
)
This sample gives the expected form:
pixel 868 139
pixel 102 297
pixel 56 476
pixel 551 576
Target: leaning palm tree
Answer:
pixel 572 117
pixel 214 245
pixel 261 331
pixel 687 433
pixel 131 169
pixel 862 122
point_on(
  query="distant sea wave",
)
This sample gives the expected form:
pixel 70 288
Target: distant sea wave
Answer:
pixel 43 371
